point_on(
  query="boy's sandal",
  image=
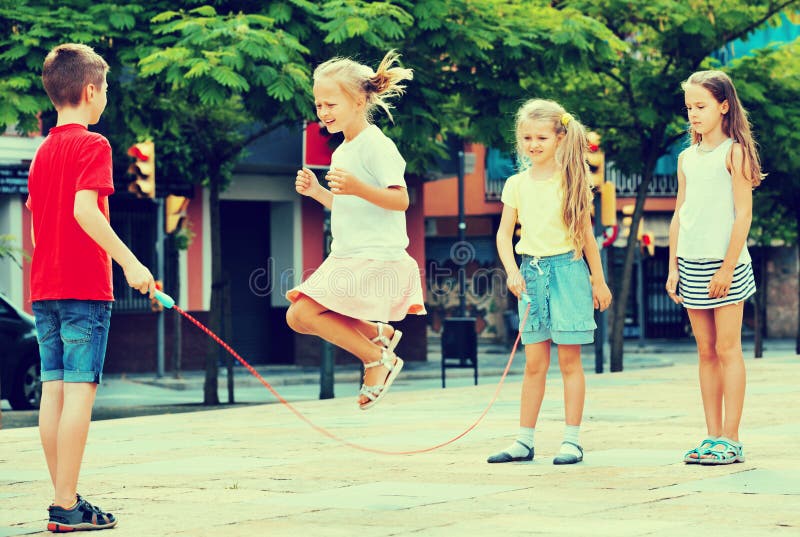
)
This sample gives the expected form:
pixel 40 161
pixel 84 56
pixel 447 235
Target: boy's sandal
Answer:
pixel 390 344
pixel 374 393
pixel 700 450
pixel 730 453
pixel 82 516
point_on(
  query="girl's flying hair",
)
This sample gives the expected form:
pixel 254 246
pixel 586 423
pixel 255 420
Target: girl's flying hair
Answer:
pixel 571 157
pixel 377 86
pixel 734 124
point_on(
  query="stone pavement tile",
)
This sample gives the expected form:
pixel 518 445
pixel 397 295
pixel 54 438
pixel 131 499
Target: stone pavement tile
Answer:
pixel 18 530
pixel 260 470
pixel 749 481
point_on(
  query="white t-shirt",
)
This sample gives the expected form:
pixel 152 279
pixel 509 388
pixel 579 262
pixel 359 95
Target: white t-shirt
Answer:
pixel 359 228
pixel 707 214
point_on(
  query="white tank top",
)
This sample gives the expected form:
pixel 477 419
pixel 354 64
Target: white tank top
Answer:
pixel 706 216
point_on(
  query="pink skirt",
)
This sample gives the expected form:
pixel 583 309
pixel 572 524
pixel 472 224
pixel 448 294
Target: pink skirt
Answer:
pixel 366 289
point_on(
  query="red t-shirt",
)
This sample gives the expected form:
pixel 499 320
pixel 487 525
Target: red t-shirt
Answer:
pixel 67 263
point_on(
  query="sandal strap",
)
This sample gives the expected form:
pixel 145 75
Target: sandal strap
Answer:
pixel 371 392
pixel 729 447
pixel 387 360
pixel 380 338
pixel 703 447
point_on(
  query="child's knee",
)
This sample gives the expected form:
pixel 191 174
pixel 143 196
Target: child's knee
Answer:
pixel 728 350
pixel 570 363
pixel 535 366
pixel 296 320
pixel 707 353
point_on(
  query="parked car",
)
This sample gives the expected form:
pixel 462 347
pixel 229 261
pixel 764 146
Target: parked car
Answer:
pixel 19 357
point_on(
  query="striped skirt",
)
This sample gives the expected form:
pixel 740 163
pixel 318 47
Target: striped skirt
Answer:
pixel 694 277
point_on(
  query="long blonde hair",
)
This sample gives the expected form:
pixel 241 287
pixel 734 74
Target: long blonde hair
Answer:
pixel 377 86
pixel 571 158
pixel 734 124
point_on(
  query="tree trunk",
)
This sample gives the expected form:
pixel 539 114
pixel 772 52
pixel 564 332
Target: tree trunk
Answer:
pixel 228 325
pixel 624 288
pixel 210 393
pixel 797 336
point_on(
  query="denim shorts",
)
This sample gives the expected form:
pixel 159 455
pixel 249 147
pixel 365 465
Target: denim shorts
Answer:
pixel 72 338
pixel 559 291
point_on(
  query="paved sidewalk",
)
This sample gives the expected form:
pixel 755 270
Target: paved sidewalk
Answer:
pixel 259 470
pixel 492 360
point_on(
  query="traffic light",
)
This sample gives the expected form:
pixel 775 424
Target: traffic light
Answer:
pixel 608 204
pixel 647 243
pixel 175 209
pixel 143 169
pixel 596 159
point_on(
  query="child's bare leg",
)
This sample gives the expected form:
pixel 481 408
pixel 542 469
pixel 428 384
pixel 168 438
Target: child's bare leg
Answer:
pixel 709 367
pixel 49 416
pixel 537 362
pixel 729 350
pixel 309 317
pixel 72 432
pixel 370 329
pixel 569 360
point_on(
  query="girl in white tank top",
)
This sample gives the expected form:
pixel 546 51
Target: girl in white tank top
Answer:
pixel 709 266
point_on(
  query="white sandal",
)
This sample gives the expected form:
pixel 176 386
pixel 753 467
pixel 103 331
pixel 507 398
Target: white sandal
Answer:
pixel 390 344
pixel 374 393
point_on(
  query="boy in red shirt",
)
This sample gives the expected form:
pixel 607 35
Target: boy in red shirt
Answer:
pixel 69 183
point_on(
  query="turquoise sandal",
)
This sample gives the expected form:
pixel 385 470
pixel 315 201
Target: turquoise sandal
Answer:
pixel 700 450
pixel 731 453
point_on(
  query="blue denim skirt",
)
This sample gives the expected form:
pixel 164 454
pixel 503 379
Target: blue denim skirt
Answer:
pixel 558 289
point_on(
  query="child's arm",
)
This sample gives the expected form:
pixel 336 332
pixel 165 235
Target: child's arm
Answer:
pixel 505 249
pixel 94 223
pixel 720 283
pixel 342 182
pixel 601 294
pixel 308 185
pixel 674 226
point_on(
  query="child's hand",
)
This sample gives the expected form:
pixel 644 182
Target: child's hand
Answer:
pixel 516 283
pixel 306 182
pixel 342 182
pixel 720 283
pixel 601 295
pixel 672 286
pixel 140 278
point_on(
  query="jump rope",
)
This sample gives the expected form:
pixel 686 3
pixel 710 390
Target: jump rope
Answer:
pixel 169 303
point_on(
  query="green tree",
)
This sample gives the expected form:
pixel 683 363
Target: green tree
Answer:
pixel 215 58
pixel 768 82
pixel 635 100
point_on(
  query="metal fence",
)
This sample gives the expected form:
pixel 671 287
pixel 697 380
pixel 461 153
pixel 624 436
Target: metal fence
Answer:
pixel 134 223
pixel 661 185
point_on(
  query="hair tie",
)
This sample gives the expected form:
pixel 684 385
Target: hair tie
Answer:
pixel 566 118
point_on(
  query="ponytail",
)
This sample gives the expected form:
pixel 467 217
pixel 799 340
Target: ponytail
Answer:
pixel 577 188
pixel 378 87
